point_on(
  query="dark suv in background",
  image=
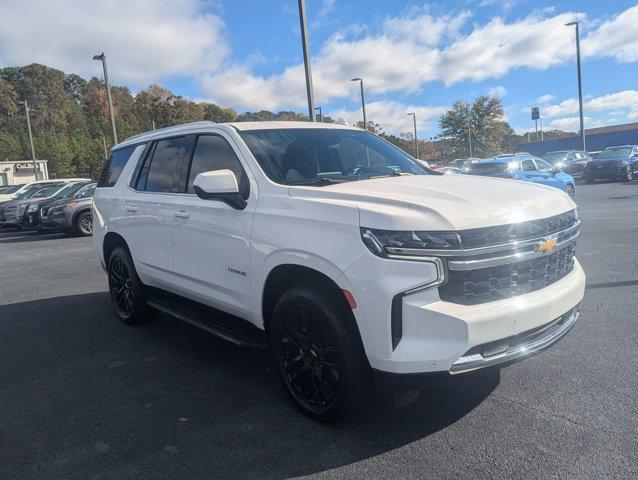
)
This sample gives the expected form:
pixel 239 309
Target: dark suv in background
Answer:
pixel 73 215
pixel 29 217
pixel 613 163
pixel 571 162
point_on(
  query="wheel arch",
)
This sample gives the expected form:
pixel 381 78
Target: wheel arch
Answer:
pixel 78 213
pixel 111 241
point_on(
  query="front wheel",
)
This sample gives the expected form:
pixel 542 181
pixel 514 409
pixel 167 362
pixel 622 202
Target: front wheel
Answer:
pixel 128 295
pixel 84 224
pixel 569 190
pixel 629 175
pixel 319 354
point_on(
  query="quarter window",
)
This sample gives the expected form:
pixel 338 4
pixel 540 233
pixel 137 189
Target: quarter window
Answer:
pixel 213 152
pixel 161 172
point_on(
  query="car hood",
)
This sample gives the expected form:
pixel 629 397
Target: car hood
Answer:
pixel 599 161
pixel 442 202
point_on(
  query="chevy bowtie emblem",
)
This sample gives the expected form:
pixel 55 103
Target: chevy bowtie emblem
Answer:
pixel 546 245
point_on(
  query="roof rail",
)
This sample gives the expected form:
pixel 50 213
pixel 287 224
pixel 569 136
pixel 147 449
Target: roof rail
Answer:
pixel 177 128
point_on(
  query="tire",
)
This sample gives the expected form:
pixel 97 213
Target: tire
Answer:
pixel 319 355
pixel 83 225
pixel 128 295
pixel 629 175
pixel 570 190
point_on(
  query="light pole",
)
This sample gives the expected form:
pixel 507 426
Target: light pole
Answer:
pixel 35 163
pixel 580 83
pixel 102 57
pixel 363 102
pixel 469 135
pixel 306 60
pixel 416 143
pixel 320 114
pixel 434 149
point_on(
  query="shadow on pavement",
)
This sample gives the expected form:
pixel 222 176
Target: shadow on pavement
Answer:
pixel 83 394
pixel 20 236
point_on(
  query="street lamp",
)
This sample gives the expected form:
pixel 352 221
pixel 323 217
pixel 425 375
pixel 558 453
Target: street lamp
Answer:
pixel 363 102
pixel 580 82
pixel 26 112
pixel 469 135
pixel 102 57
pixel 320 114
pixel 416 144
pixel 306 60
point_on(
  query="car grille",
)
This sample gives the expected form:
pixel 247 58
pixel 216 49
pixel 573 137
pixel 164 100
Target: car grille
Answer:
pixel 483 285
pixel 481 237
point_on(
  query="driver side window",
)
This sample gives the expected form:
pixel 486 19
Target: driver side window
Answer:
pixel 543 166
pixel 528 166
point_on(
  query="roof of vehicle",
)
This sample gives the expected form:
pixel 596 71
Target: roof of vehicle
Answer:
pixel 240 126
pixel 620 146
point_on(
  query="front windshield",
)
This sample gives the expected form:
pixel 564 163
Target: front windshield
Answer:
pixel 46 192
pixel 11 189
pixel 621 152
pixel 308 156
pixel 29 192
pixel 554 157
pixel 68 191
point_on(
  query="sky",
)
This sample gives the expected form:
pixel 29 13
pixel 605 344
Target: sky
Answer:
pixel 414 56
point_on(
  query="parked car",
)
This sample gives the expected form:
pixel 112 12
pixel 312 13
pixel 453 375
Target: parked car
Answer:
pixel 571 162
pixel 527 168
pixel 613 163
pixel 72 215
pixel 31 218
pixel 23 188
pixel 450 170
pixel 463 163
pixel 10 189
pixel 337 250
pixel 9 208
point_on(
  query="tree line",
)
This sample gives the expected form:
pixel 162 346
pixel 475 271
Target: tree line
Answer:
pixel 70 120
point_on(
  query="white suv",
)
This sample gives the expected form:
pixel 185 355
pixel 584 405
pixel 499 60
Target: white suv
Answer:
pixel 337 250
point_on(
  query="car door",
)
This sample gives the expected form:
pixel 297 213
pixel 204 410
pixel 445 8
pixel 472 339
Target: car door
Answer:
pixel 149 210
pixel 547 174
pixel 211 238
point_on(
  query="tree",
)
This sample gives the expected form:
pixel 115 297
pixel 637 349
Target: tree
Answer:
pixel 482 121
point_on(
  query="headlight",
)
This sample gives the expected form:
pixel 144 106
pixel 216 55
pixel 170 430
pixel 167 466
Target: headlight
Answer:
pixel 387 243
pixel 33 207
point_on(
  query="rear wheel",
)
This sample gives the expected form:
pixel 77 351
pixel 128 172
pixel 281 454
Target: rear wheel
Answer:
pixel 569 189
pixel 127 291
pixel 319 354
pixel 84 224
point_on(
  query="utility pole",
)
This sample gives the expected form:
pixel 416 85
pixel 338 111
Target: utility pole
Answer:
pixel 102 57
pixel 35 163
pixel 320 114
pixel 416 143
pixel 153 122
pixel 106 152
pixel 306 60
pixel 580 83
pixel 363 102
pixel 541 120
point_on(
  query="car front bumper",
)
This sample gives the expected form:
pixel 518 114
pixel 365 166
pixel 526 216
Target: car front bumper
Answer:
pixel 442 336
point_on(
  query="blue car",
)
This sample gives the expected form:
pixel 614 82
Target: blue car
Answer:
pixel 614 163
pixel 527 168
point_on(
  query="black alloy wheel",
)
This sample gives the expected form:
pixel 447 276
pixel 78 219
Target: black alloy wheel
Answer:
pixel 126 289
pixel 317 354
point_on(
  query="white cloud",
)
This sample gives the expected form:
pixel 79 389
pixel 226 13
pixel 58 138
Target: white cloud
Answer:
pixel 616 37
pixel 392 116
pixel 144 40
pixel 572 124
pixel 618 103
pixel 497 91
pixel 543 99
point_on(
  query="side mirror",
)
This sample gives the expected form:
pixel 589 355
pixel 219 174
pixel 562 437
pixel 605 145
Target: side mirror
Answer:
pixel 219 185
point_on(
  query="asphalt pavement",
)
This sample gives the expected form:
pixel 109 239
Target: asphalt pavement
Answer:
pixel 85 396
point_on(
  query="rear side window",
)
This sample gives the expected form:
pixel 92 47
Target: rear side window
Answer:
pixel 213 152
pixel 114 165
pixel 161 172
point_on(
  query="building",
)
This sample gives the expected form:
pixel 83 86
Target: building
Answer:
pixel 596 139
pixel 21 171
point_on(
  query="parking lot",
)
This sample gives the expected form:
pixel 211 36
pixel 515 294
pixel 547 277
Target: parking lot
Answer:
pixel 85 396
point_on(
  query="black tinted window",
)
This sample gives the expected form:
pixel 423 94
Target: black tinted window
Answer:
pixel 162 174
pixel 212 152
pixel 114 165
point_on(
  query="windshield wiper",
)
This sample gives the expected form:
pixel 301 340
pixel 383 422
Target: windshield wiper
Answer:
pixel 316 182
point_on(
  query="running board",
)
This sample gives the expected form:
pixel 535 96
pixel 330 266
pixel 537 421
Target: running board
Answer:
pixel 223 325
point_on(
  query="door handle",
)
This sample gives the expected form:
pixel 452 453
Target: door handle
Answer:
pixel 131 208
pixel 181 214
